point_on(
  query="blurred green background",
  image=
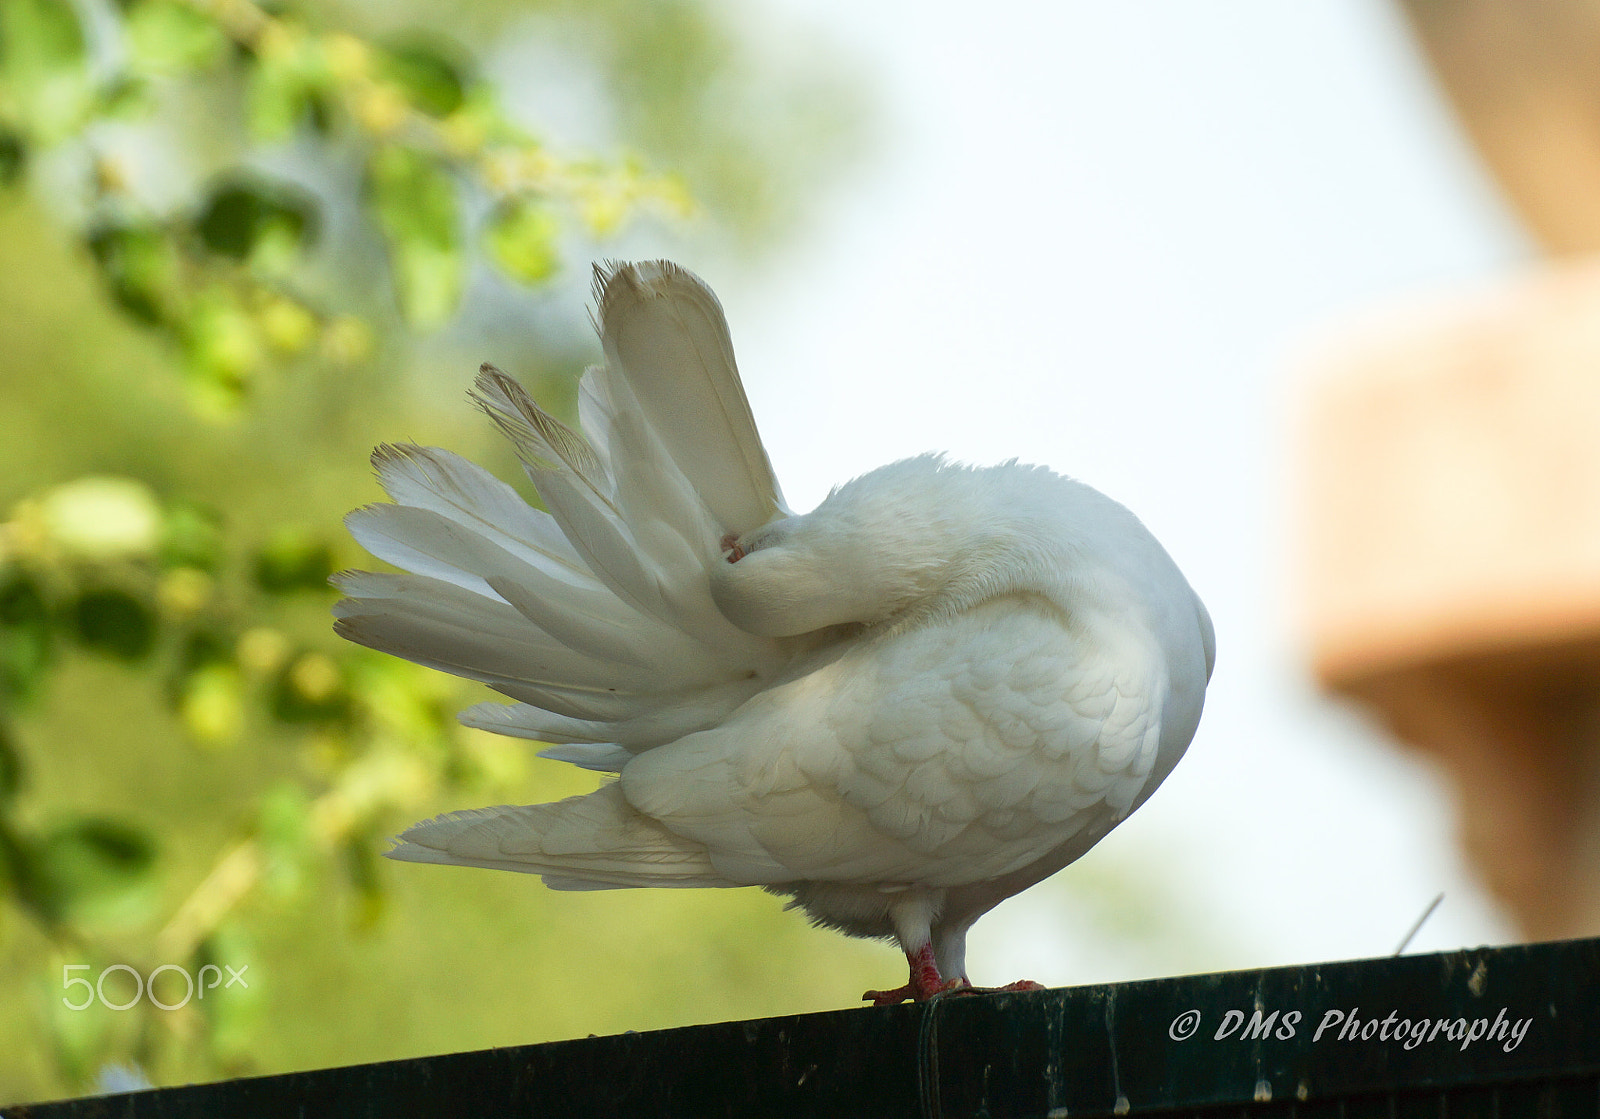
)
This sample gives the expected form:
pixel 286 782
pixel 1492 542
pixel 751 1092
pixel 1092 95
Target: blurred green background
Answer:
pixel 239 246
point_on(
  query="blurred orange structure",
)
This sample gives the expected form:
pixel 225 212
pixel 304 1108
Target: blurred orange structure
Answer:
pixel 1452 559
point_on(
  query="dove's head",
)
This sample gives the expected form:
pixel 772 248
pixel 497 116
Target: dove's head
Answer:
pixel 875 547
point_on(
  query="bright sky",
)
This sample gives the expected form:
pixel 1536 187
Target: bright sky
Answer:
pixel 1104 237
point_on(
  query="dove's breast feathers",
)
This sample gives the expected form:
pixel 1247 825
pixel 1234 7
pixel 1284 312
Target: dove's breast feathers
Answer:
pixel 938 687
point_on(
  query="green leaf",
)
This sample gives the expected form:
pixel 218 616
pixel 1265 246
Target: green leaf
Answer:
pixel 114 622
pixel 521 238
pixel 233 1007
pixel 211 703
pixel 42 62
pixel 22 604
pixel 79 1041
pixel 25 637
pixel 294 559
pixel 139 266
pixel 256 219
pixel 12 772
pixel 13 156
pixel 191 536
pixel 125 97
pixel 44 33
pixel 224 348
pixel 172 38
pixel 288 327
pixel 290 84
pixel 205 647
pixel 283 829
pixel 415 202
pixel 425 72
pixel 13 858
pixel 89 870
pixel 361 864
pixel 311 689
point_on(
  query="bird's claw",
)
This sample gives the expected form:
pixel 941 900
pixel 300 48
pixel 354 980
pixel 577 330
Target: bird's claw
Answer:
pixel 915 993
pixel 959 986
pixel 890 998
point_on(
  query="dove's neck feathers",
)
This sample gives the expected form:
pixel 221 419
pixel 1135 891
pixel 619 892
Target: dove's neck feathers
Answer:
pixel 922 538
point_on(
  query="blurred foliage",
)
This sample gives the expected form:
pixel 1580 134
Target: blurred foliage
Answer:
pixel 229 273
pixel 227 230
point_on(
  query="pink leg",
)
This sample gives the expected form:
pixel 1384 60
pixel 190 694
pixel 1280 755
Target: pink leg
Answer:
pixel 925 981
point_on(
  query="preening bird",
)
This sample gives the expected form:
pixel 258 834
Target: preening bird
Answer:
pixel 937 688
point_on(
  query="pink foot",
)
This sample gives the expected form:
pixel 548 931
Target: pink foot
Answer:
pixel 909 993
pixel 962 986
pixel 890 998
pixel 1019 985
pixel 925 982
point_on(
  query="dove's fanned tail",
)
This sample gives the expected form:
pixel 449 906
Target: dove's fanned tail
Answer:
pixel 596 616
pixel 581 843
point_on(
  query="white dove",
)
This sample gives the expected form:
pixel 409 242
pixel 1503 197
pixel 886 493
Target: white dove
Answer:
pixel 940 686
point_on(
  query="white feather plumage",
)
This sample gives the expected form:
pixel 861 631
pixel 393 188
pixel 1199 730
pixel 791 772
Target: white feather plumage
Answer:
pixel 939 687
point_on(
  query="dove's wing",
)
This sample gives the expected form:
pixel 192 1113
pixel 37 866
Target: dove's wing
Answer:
pixel 667 347
pixel 948 755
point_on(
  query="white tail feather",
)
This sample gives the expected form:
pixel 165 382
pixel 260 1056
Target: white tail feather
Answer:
pixel 596 616
pixel 665 335
pixel 665 718
pixel 542 441
pixel 602 757
pixel 464 492
pixel 593 841
pixel 432 621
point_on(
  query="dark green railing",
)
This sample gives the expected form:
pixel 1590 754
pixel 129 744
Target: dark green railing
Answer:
pixel 1491 1033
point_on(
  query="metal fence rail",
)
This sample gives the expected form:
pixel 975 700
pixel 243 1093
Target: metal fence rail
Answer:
pixel 1492 1033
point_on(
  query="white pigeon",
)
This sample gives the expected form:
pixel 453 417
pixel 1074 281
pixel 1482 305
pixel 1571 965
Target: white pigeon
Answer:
pixel 940 686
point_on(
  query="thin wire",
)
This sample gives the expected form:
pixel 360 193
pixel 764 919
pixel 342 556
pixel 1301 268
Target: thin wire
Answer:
pixel 1416 928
